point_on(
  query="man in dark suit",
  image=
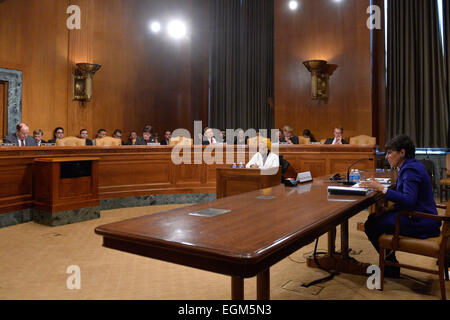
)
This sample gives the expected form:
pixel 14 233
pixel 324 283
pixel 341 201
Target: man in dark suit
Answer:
pixel 37 135
pixel 208 137
pixel 338 132
pixel 118 135
pixel 146 137
pixel 85 135
pixel 166 140
pixel 21 137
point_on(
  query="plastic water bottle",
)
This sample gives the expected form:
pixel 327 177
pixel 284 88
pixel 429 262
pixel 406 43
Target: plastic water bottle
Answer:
pixel 352 175
pixel 357 176
pixel 234 165
pixel 241 165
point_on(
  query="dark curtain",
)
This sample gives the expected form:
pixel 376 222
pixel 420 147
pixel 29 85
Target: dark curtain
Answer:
pixel 417 94
pixel 241 64
pixel 446 9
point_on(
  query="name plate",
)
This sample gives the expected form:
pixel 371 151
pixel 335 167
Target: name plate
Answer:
pixel 48 144
pixel 9 145
pixel 153 144
pixel 304 177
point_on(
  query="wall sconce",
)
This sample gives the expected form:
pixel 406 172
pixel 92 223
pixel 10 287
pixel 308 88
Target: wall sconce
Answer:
pixel 82 81
pixel 320 75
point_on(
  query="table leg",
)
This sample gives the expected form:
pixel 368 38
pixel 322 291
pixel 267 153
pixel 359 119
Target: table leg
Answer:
pixel 332 241
pixel 340 262
pixel 237 288
pixel 263 285
pixel 344 240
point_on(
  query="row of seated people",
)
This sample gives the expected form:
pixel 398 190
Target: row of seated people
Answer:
pixel 286 136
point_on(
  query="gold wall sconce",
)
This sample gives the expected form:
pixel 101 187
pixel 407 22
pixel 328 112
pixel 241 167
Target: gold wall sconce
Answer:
pixel 320 76
pixel 82 81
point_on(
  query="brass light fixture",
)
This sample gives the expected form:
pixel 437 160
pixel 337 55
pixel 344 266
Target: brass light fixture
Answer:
pixel 320 75
pixel 82 81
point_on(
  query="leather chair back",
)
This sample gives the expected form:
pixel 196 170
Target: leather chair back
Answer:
pixel 364 140
pixel 180 140
pixel 70 142
pixel 303 140
pixel 108 142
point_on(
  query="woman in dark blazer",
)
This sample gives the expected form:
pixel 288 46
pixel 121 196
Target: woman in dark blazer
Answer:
pixel 414 192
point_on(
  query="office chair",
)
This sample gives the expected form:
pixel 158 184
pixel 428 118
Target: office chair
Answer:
pixel 444 183
pixel 70 142
pixel 303 140
pixel 432 247
pixel 363 140
pixel 180 140
pixel 108 142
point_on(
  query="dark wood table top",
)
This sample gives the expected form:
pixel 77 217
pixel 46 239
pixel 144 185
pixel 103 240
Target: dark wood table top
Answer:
pixel 256 234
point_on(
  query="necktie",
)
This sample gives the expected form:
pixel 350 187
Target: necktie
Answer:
pixel 21 143
pixel 211 140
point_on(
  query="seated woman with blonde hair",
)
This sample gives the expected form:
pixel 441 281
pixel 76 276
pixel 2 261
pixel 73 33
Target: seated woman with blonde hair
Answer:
pixel 264 158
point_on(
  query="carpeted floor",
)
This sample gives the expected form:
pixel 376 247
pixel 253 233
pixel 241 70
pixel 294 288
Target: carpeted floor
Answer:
pixel 34 260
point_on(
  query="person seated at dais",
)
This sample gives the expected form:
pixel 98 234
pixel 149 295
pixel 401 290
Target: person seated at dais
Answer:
pixel 21 137
pixel 147 136
pixel 132 138
pixel 166 140
pixel 264 158
pixel 58 133
pixel 338 132
pixel 84 134
pixel 414 192
pixel 209 138
pixel 101 133
pixel 308 134
pixel 240 139
pixel 118 135
pixel 288 136
pixel 37 135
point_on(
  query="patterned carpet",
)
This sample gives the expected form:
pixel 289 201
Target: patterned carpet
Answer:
pixel 35 258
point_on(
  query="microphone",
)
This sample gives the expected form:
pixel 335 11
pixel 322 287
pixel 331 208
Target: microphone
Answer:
pixel 348 182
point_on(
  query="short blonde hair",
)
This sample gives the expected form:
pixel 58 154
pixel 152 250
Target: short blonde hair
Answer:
pixel 288 129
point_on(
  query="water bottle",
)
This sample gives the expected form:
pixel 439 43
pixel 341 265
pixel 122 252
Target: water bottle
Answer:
pixel 357 176
pixel 234 165
pixel 352 175
pixel 241 165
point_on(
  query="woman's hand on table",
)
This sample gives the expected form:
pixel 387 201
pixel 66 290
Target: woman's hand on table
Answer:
pixel 372 184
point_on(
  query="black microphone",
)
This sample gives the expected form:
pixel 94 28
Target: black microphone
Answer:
pixel 348 182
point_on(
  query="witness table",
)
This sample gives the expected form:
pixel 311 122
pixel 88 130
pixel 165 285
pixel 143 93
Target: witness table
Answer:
pixel 261 228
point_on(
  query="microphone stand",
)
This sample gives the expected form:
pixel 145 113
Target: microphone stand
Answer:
pixel 348 182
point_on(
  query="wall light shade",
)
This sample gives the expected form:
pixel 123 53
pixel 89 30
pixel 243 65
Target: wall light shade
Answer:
pixel 82 81
pixel 320 75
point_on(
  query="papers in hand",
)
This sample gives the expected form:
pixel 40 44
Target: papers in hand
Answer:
pixel 348 190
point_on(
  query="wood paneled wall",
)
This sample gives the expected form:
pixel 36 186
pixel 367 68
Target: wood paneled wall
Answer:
pixel 332 31
pixel 144 79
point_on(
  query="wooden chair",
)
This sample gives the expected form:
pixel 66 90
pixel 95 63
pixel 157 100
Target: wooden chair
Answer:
pixel 180 140
pixel 303 140
pixel 323 141
pixel 444 183
pixel 363 140
pixel 108 142
pixel 70 142
pixel 432 247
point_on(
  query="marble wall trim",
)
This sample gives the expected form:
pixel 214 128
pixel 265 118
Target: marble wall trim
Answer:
pixel 14 80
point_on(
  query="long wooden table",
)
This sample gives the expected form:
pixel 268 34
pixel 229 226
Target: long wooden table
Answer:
pixel 245 242
pixel 128 171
